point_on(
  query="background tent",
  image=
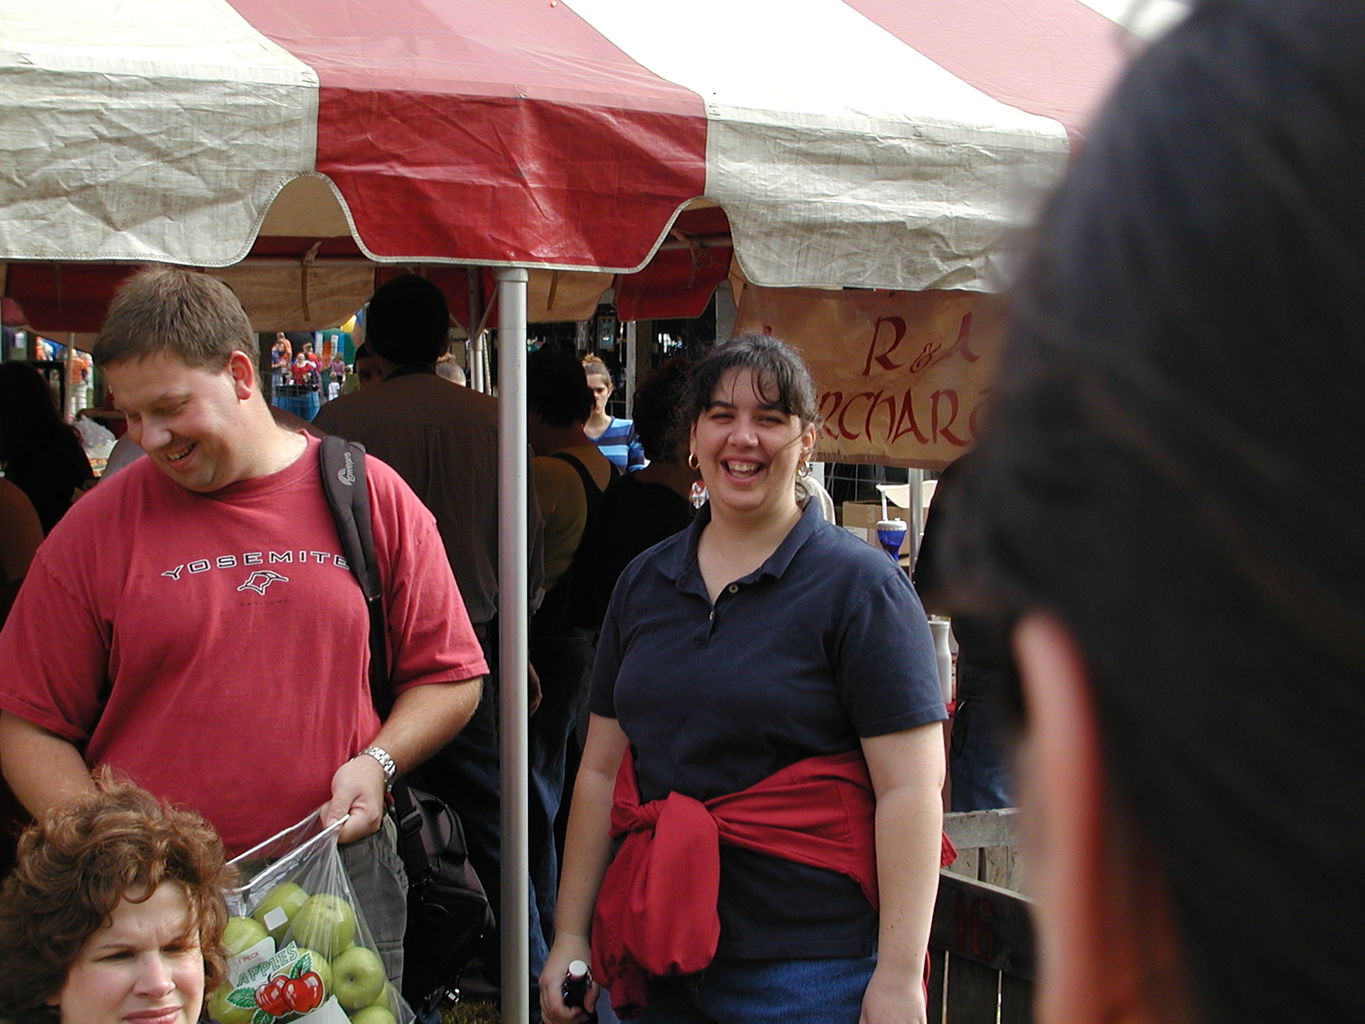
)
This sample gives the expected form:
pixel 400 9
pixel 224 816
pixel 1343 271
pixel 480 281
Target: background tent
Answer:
pixel 292 145
pixel 868 143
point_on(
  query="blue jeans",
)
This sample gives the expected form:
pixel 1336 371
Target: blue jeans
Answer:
pixel 825 991
pixel 976 754
pixel 563 664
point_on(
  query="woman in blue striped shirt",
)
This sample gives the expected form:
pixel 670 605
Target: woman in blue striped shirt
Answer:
pixel 615 438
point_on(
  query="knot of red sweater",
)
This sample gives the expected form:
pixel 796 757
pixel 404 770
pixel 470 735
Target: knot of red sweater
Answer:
pixel 656 911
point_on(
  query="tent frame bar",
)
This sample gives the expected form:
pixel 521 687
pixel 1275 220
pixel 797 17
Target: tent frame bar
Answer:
pixel 514 655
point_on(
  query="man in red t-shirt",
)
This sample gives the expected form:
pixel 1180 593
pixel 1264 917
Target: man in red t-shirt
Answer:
pixel 166 627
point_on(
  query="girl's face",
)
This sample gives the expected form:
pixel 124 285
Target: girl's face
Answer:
pixel 601 391
pixel 144 966
pixel 748 449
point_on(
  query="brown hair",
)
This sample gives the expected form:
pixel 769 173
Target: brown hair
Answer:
pixel 176 312
pixel 781 377
pixel 72 870
pixel 594 367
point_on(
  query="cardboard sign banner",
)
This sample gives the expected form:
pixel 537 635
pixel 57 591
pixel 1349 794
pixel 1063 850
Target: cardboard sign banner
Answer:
pixel 902 376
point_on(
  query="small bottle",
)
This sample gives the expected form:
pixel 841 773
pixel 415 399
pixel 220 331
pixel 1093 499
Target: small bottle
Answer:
pixel 576 980
pixel 943 654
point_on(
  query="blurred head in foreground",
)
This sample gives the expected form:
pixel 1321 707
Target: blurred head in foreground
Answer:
pixel 1167 510
pixel 114 911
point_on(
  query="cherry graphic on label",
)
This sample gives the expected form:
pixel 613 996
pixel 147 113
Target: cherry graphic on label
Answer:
pixel 304 993
pixel 270 997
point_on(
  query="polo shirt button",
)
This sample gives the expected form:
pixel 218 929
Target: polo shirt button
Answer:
pixel 733 588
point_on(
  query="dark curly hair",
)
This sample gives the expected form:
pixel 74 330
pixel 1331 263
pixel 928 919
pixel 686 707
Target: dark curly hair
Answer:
pixel 73 868
pixel 780 375
pixel 655 409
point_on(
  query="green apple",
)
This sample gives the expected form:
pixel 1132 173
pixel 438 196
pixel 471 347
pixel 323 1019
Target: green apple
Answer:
pixel 241 933
pixel 376 1014
pixel 326 923
pixel 278 908
pixel 387 997
pixel 224 1012
pixel 359 976
pixel 319 963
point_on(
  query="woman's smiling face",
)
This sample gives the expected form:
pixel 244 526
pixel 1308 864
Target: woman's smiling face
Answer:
pixel 144 966
pixel 749 448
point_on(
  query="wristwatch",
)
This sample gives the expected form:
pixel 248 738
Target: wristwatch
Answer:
pixel 385 761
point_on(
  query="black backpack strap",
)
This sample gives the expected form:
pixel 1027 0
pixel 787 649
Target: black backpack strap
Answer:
pixel 348 496
pixel 343 481
pixel 592 494
pixel 559 608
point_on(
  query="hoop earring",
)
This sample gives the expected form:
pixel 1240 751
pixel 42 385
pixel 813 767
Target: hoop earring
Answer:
pixel 692 462
pixel 803 470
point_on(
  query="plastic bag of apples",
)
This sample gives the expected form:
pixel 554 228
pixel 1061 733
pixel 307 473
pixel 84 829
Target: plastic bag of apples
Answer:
pixel 299 951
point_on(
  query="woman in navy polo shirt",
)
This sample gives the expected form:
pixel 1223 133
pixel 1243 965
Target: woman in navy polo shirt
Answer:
pixel 765 682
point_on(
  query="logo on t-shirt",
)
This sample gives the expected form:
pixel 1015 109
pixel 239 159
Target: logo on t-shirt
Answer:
pixel 260 579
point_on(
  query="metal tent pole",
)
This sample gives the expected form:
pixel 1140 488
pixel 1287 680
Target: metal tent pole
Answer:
pixel 513 479
pixel 478 380
pixel 632 368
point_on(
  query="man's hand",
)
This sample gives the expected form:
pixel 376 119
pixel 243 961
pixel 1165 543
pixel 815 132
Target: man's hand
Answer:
pixel 421 720
pixel 357 790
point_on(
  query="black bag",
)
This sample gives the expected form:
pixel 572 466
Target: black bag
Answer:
pixel 448 910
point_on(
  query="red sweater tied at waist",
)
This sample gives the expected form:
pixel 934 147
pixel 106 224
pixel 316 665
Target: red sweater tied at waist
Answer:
pixel 656 911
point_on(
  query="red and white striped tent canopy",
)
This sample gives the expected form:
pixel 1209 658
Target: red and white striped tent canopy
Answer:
pixel 869 143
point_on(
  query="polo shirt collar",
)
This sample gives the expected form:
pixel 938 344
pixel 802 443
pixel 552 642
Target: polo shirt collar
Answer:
pixel 685 569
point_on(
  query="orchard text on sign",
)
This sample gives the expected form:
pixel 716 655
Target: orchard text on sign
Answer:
pixel 903 377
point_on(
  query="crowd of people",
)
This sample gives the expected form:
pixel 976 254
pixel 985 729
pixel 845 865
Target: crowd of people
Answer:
pixel 736 749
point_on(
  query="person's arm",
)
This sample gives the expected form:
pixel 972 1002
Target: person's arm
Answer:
pixel 42 769
pixel 907 770
pixel 635 454
pixel 423 719
pixel 535 540
pixel 587 852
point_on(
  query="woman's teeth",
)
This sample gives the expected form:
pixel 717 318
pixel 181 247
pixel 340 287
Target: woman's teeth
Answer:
pixel 742 468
